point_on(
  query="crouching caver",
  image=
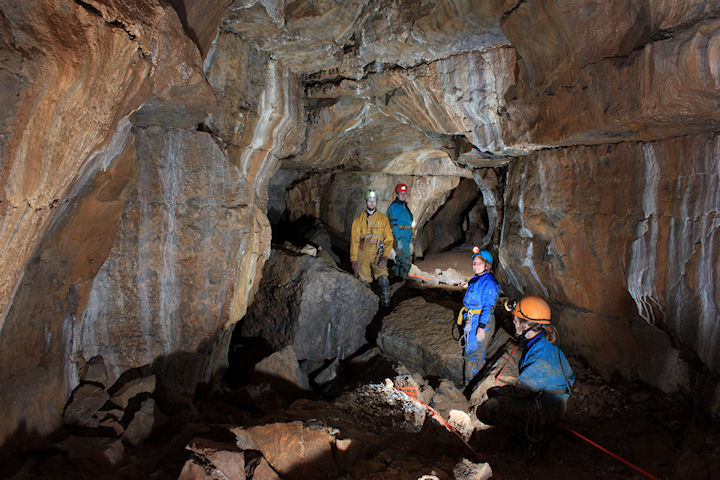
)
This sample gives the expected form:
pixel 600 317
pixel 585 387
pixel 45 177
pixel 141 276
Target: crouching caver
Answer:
pixel 371 240
pixel 545 379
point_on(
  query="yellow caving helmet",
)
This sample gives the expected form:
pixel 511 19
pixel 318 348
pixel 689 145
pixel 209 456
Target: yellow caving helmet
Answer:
pixel 531 308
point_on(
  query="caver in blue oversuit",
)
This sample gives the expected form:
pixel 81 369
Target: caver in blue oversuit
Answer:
pixel 545 376
pixel 401 220
pixel 478 304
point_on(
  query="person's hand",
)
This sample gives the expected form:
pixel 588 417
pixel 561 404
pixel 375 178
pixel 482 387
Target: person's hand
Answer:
pixel 355 267
pixel 480 335
pixel 383 262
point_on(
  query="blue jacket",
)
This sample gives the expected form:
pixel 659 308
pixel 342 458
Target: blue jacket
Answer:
pixel 482 293
pixel 400 216
pixel 543 366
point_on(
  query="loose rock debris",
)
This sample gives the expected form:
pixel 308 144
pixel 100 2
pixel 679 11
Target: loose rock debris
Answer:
pixel 375 431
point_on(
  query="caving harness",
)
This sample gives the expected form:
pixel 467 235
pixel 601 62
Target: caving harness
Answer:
pixel 380 251
pixel 463 339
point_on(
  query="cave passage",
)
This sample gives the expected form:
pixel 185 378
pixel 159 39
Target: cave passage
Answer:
pixel 179 182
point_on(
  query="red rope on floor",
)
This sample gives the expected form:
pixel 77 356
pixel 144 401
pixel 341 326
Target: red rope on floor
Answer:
pixel 649 475
pixel 424 278
pixel 444 422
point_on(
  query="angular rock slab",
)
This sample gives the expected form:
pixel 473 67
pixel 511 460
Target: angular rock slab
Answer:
pixel 193 471
pixel 95 371
pixel 467 470
pixel 87 399
pixel 306 302
pixel 133 388
pixel 94 454
pixel 382 408
pixel 418 335
pixel 227 460
pixel 264 471
pixel 282 367
pixel 294 450
pixel 141 425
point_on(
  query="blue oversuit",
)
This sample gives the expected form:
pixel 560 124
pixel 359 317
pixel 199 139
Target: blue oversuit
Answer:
pixel 401 219
pixel 543 368
pixel 482 293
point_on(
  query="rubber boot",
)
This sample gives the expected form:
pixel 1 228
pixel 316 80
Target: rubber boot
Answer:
pixel 384 291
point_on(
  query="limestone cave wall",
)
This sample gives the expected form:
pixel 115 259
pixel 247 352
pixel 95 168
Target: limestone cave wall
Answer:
pixel 624 239
pixel 618 222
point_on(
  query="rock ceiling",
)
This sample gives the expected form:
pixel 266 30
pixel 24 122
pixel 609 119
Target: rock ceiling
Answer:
pixel 383 83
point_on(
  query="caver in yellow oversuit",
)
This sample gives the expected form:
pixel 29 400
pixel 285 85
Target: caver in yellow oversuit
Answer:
pixel 371 240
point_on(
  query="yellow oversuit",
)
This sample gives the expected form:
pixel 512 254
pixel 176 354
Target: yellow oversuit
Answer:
pixel 369 231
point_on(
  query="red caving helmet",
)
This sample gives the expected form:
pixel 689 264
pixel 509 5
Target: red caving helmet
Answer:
pixel 400 187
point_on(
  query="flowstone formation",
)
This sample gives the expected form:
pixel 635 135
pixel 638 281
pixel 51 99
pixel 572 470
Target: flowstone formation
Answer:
pixel 145 144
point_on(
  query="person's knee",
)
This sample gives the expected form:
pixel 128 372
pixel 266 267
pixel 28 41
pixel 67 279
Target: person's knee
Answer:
pixel 488 411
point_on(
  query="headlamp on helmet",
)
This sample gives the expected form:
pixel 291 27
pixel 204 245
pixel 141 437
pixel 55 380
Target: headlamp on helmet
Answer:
pixel 370 194
pixel 531 308
pixel 401 187
pixel 487 256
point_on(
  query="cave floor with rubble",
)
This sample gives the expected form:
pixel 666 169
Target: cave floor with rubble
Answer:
pixel 661 434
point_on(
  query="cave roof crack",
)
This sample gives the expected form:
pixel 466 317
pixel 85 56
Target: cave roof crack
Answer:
pixel 543 147
pixel 660 35
pixel 512 10
pixel 112 23
pixel 368 69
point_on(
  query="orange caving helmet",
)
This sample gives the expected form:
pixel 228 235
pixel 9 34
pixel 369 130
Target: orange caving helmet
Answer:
pixel 401 187
pixel 531 308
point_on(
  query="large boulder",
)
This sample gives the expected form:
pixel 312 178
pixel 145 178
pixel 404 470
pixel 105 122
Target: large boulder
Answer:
pixel 306 302
pixel 418 334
